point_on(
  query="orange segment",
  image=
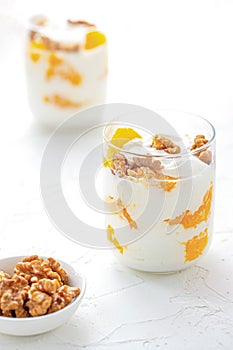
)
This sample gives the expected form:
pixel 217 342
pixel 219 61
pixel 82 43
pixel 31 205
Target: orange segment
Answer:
pixel 107 163
pixel 34 56
pixel 123 135
pixel 194 247
pixel 62 102
pixel 71 75
pixel 34 52
pixel 111 238
pixel 126 215
pixel 94 39
pixel 167 182
pixel 58 67
pixel 54 60
pixel 130 220
pixel 120 137
pixel 190 220
pixel 37 45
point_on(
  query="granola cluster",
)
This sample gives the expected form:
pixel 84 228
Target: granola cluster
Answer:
pixel 37 287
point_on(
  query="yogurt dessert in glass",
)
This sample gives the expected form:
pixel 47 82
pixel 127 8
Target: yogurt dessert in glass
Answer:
pixel 159 187
pixel 66 67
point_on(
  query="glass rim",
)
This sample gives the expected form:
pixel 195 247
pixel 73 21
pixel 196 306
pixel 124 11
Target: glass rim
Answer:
pixel 184 153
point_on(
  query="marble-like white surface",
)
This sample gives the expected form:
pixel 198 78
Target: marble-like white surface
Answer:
pixel 180 56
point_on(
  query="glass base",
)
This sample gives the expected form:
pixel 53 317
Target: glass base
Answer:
pixel 157 270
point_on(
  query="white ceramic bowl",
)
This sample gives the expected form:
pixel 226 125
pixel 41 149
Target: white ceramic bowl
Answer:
pixel 41 324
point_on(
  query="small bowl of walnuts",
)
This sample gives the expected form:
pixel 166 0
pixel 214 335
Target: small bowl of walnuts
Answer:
pixel 37 294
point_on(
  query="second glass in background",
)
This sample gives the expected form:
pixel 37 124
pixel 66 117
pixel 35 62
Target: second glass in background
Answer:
pixel 66 67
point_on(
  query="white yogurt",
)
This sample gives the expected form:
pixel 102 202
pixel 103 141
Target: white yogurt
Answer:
pixel 158 246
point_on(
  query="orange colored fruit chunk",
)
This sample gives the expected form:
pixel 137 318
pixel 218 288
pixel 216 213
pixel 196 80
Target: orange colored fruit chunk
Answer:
pixel 54 60
pixel 123 135
pixel 71 75
pixel 38 45
pixel 131 222
pixel 58 67
pixel 62 102
pixel 167 183
pixel 94 39
pixel 126 215
pixel 190 220
pixel 111 238
pixel 194 247
pixel 34 56
pixel 120 137
pixel 34 50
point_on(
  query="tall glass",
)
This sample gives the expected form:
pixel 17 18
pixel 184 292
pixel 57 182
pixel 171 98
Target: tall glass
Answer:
pixel 159 189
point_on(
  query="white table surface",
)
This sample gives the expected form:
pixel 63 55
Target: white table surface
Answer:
pixel 163 54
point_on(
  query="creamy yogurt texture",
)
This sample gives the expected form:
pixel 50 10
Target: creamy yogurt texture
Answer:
pixel 66 68
pixel 167 203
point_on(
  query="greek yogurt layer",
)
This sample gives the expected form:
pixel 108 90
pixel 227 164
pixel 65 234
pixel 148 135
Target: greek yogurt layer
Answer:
pixel 66 68
pixel 161 191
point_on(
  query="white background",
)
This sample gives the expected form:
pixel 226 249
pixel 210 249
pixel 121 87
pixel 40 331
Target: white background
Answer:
pixel 162 54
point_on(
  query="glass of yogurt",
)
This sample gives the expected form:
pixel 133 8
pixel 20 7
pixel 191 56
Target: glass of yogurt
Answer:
pixel 66 67
pixel 159 183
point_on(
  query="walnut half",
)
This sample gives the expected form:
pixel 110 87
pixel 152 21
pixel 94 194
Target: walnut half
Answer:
pixel 205 155
pixel 161 142
pixel 38 303
pixel 63 297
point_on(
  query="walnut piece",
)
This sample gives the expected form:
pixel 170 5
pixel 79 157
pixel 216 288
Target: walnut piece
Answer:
pixel 161 142
pixel 32 258
pixel 53 45
pixel 13 294
pixel 6 313
pixel 34 268
pixel 39 303
pixel 137 173
pixel 147 162
pixel 80 23
pixel 199 141
pixel 21 312
pixel 205 155
pixel 142 172
pixel 12 300
pixel 14 283
pixel 138 167
pixel 120 164
pixel 63 297
pixel 46 285
pixel 4 275
pixel 56 267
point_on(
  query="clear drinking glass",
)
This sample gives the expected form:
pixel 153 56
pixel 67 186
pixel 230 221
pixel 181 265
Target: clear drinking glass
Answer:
pixel 159 182
pixel 66 67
